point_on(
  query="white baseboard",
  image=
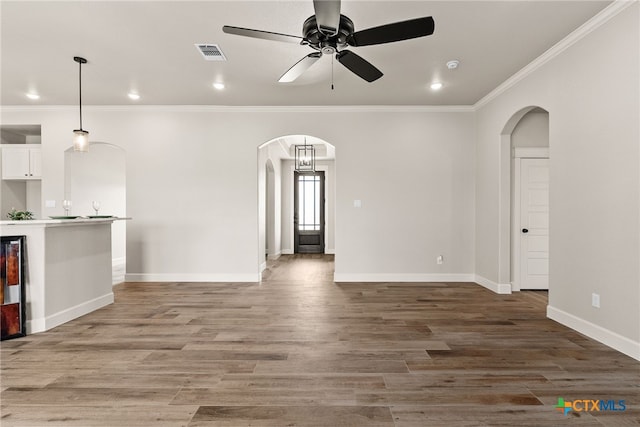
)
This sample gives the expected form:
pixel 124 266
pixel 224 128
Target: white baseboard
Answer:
pixel 118 270
pixel 330 251
pixel 616 341
pixel 263 266
pixel 515 286
pixel 287 252
pixel 498 288
pixel 274 256
pixel 188 277
pixel 401 277
pixel 57 319
pixel 36 325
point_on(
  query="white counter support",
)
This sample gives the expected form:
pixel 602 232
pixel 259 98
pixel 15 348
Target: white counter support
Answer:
pixel 68 268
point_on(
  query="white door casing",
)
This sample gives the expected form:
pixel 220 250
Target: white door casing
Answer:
pixel 532 221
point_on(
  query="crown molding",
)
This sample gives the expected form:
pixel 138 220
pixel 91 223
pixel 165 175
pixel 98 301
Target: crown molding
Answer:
pixel 578 34
pixel 247 109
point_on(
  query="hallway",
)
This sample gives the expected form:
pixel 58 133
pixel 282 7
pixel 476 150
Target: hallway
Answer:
pixel 300 268
pixel 300 350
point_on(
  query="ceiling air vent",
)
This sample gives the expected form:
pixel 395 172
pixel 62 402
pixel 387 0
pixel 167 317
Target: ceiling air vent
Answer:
pixel 211 52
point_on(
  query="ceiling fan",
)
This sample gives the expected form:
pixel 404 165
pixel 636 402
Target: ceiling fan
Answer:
pixel 328 32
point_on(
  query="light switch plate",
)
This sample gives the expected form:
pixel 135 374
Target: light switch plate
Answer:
pixel 357 203
pixel 50 204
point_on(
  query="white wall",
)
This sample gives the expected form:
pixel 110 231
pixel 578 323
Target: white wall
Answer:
pixel 414 177
pixel 272 247
pixel 591 91
pixel 192 185
pixel 13 195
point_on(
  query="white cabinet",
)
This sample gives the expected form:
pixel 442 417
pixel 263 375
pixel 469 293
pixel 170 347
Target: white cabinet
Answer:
pixel 35 163
pixel 21 163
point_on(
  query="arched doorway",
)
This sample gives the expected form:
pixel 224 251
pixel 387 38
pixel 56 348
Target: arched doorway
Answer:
pixel 524 200
pixel 276 194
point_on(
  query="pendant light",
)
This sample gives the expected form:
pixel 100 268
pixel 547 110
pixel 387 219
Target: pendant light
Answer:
pixel 80 136
pixel 305 159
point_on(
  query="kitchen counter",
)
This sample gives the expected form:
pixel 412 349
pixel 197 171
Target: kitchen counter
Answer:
pixel 57 222
pixel 68 268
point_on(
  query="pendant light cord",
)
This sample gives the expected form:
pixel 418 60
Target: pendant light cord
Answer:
pixel 331 72
pixel 80 90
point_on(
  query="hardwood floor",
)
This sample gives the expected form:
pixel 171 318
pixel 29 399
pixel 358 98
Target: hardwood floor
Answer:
pixel 300 350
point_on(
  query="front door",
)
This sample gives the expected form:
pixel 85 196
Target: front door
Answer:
pixel 308 217
pixel 534 222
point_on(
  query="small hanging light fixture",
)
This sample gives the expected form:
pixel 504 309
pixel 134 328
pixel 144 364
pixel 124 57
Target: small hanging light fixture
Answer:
pixel 80 136
pixel 305 157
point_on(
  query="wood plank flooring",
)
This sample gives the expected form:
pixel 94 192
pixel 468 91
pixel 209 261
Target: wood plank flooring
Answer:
pixel 300 350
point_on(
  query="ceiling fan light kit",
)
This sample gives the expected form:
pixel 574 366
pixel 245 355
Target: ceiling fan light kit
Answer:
pixel 329 33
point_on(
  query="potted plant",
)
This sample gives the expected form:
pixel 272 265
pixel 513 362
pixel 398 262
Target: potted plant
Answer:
pixel 15 215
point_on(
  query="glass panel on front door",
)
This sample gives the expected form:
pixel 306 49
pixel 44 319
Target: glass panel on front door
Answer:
pixel 309 202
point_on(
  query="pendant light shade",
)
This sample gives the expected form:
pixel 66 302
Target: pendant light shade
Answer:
pixel 80 136
pixel 80 140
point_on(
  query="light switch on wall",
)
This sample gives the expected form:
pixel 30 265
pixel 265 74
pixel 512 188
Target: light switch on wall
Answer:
pixel 357 203
pixel 50 204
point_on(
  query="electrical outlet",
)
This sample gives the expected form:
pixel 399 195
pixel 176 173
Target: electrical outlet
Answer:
pixel 439 259
pixel 595 300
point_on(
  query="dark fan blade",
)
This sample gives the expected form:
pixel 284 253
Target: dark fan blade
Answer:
pixel 259 34
pixel 358 65
pixel 327 16
pixel 300 67
pixel 395 32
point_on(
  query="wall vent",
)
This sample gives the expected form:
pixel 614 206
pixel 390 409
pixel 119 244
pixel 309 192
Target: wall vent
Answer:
pixel 211 52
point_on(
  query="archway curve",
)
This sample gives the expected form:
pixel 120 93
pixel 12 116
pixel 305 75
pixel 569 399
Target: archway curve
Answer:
pixel 504 197
pixel 277 153
pixel 99 143
pixel 515 118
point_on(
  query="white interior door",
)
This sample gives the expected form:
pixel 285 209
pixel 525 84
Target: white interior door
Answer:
pixel 534 223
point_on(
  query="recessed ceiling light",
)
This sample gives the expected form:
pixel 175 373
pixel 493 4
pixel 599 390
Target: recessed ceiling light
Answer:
pixel 436 86
pixel 218 86
pixel 133 95
pixel 453 64
pixel 32 95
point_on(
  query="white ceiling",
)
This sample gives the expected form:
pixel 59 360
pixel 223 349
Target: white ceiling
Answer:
pixel 148 47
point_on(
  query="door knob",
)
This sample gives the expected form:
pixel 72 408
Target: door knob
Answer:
pixel 524 230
